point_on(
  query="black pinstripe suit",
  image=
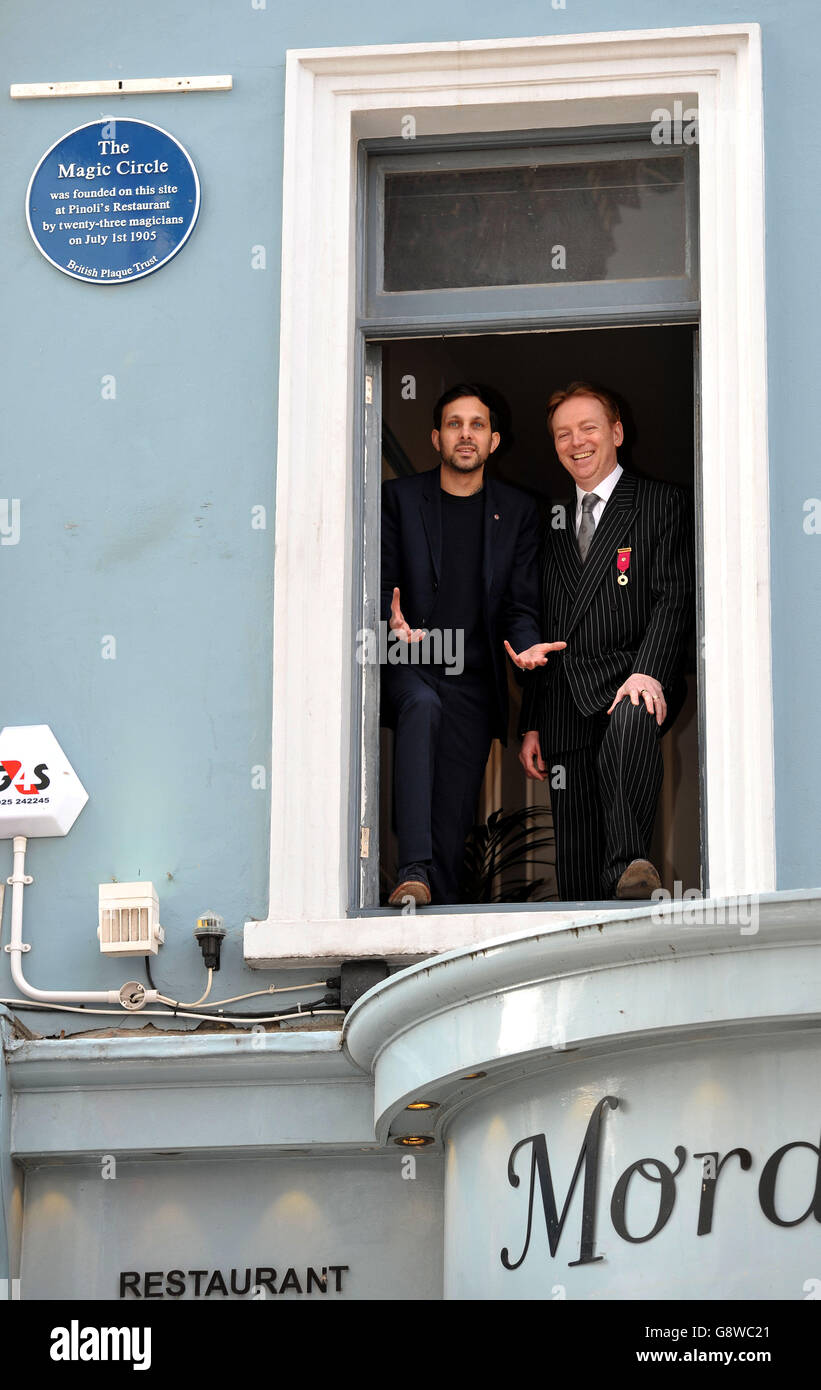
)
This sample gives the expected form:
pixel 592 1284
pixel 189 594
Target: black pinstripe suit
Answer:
pixel 604 812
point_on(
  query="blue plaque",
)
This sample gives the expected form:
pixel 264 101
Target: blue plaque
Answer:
pixel 113 201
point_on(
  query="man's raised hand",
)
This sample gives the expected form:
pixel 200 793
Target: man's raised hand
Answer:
pixel 533 656
pixel 398 625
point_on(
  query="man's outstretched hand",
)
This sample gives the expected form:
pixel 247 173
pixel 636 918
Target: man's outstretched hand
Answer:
pixel 398 625
pixel 647 689
pixel 534 656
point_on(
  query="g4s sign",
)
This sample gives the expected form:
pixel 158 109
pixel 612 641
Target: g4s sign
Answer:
pixel 11 769
pixel 40 793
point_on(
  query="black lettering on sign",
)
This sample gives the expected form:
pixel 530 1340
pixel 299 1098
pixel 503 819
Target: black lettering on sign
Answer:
pixel 663 1175
pixel 246 1285
pixel 709 1182
pixel 207 1283
pixel 667 1195
pixel 769 1175
pixel 540 1165
pixel 269 1280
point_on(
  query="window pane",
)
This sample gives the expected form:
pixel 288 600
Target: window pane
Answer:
pixel 615 220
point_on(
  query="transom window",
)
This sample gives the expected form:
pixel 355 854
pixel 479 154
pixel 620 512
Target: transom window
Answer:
pixel 605 222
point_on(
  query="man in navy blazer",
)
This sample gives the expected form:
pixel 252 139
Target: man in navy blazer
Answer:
pixel 618 586
pixel 459 584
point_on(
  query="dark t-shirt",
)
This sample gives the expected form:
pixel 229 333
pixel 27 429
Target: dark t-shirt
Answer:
pixel 459 599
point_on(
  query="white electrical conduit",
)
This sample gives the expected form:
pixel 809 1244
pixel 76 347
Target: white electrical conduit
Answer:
pixel 254 994
pixel 161 1013
pixel 175 1003
pixel 16 948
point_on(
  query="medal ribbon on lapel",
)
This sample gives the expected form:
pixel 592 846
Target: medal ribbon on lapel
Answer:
pixel 623 563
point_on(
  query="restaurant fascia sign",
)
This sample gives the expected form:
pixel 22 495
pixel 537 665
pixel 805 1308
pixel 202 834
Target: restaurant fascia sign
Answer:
pixel 257 1282
pixel 663 1175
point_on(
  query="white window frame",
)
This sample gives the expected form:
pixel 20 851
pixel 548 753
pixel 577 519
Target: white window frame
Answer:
pixel 334 97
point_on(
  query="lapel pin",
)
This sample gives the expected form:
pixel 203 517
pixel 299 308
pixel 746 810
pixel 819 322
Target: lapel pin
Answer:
pixel 623 563
pixel 495 516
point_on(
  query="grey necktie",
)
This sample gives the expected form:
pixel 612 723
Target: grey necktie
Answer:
pixel 587 525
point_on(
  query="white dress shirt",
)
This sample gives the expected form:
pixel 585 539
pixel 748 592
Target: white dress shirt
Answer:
pixel 603 491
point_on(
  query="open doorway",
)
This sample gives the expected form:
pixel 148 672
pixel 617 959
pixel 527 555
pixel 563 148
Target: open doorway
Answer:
pixel 651 370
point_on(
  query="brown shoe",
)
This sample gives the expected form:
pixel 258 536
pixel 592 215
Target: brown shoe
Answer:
pixel 413 883
pixel 639 880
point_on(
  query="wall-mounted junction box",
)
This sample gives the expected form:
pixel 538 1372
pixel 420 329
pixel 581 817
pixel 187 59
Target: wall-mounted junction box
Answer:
pixel 129 923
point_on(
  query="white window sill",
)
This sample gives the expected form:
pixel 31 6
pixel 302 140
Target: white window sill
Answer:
pixel 404 938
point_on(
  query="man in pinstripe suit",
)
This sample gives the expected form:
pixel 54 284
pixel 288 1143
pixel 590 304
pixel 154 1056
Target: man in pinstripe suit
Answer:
pixel 617 586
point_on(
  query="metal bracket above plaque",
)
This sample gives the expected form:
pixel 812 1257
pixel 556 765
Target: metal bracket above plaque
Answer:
pixel 123 87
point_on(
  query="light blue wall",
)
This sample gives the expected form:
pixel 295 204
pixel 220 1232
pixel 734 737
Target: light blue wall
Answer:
pixel 136 512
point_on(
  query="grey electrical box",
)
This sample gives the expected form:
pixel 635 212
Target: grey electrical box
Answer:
pixel 357 977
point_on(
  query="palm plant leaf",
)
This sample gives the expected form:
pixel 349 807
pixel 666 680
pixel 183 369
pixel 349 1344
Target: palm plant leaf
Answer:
pixel 504 843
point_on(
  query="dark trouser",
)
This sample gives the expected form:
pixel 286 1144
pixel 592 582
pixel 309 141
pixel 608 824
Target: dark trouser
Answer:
pixel 603 816
pixel 443 735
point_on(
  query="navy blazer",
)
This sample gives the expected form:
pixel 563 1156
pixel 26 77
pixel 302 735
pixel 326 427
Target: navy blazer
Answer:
pixel 412 560
pixel 611 629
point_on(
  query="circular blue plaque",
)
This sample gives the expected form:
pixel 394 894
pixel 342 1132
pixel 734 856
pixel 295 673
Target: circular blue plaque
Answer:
pixel 113 201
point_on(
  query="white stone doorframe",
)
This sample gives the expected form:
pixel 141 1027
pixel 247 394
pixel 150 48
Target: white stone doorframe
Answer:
pixel 334 97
